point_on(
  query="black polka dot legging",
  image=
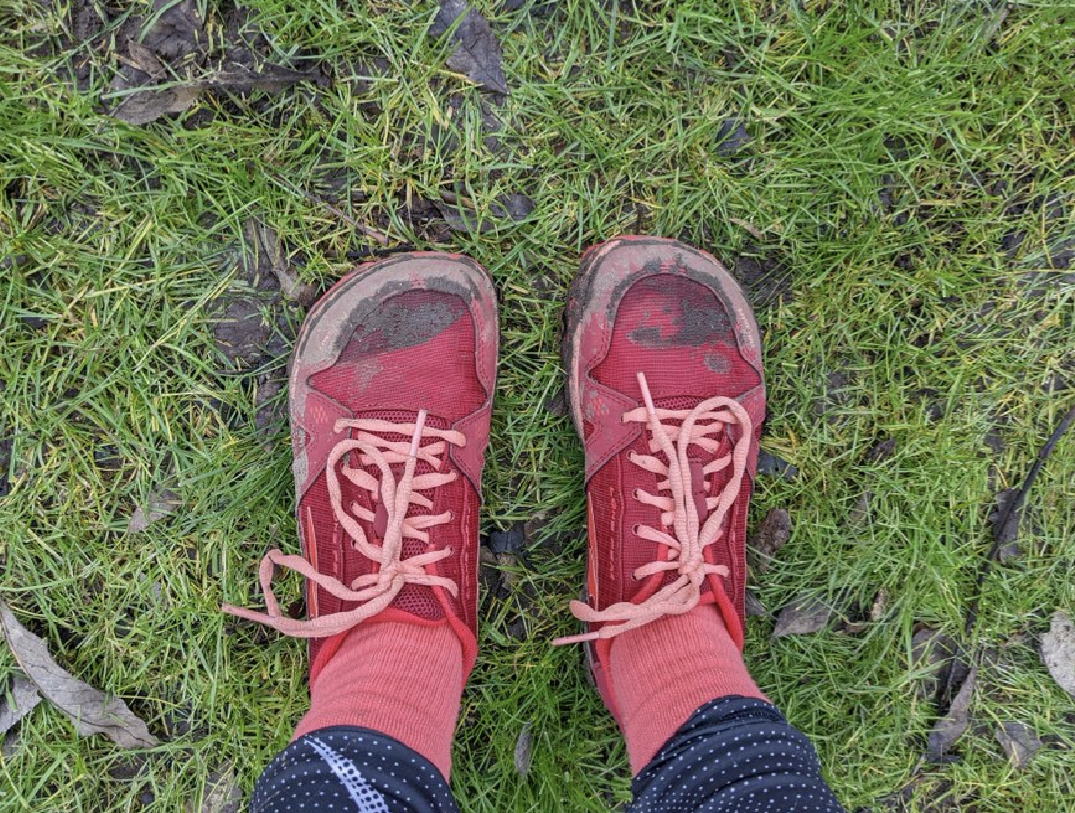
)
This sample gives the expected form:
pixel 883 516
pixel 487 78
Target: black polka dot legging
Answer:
pixel 734 754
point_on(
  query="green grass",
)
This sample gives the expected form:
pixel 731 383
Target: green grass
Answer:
pixel 894 146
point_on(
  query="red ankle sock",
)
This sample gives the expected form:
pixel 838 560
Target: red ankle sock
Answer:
pixel 401 679
pixel 662 672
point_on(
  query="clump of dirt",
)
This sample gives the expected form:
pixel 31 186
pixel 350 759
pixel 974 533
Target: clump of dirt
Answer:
pixel 768 539
pixel 257 318
pixel 163 61
pixel 764 275
pixel 6 446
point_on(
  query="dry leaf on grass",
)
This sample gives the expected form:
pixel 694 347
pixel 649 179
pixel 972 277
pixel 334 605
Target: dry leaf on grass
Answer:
pixel 477 54
pixel 1004 523
pixel 17 700
pixel 177 29
pixel 144 106
pixel 524 748
pixel 150 103
pixel 221 794
pixel 1058 651
pixel 802 617
pixel 936 660
pixel 771 535
pixel 161 504
pixel 264 250
pixel 952 726
pixel 1019 743
pixel 268 78
pixel 91 710
pixel 754 607
pixel 776 466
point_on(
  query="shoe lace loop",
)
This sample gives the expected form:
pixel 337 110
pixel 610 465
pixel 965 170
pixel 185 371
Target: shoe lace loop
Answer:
pixel 689 536
pixel 374 591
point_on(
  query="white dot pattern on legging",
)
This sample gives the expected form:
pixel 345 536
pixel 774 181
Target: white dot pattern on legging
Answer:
pixel 735 755
pixel 301 780
pixel 366 799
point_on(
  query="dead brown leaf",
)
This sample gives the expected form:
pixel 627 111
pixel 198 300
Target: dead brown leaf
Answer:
pixel 91 710
pixel 1004 524
pixel 879 606
pixel 754 607
pixel 176 29
pixel 771 535
pixel 150 103
pixel 803 616
pixel 142 59
pixel 268 78
pixel 221 793
pixel 267 250
pixel 860 511
pixel 1058 651
pixel 17 700
pixel 523 749
pixel 161 504
pixel 144 106
pixel 750 228
pixel 477 54
pixel 1019 743
pixel 938 664
pixel 954 724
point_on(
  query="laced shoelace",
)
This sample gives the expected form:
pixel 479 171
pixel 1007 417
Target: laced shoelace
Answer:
pixel 690 536
pixel 374 591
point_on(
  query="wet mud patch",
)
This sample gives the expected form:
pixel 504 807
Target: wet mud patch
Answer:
pixel 765 277
pixel 256 320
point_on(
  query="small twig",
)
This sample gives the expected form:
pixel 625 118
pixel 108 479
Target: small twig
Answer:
pixel 365 253
pixel 1043 455
pixel 1005 512
pixel 1013 506
pixel 369 231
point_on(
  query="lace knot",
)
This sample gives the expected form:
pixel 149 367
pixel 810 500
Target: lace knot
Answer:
pixel 376 590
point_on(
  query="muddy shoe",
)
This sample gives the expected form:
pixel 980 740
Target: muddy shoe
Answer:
pixel 666 387
pixel 391 390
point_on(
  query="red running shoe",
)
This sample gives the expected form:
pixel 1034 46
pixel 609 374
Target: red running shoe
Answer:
pixel 666 387
pixel 392 383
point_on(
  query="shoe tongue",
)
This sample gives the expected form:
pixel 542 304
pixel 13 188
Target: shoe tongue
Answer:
pixel 401 416
pixel 695 452
pixel 678 402
pixel 699 457
pixel 418 601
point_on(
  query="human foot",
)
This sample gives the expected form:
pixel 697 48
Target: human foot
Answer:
pixel 390 393
pixel 666 387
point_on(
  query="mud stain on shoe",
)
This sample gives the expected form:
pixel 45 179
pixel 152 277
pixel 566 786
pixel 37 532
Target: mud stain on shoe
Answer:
pixel 718 363
pixel 398 323
pixel 695 320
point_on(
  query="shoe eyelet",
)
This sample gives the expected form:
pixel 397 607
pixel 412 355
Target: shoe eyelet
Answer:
pixel 451 515
pixel 634 528
pixel 450 550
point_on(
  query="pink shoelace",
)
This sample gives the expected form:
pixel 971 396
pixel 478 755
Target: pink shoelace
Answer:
pixel 375 591
pixel 690 536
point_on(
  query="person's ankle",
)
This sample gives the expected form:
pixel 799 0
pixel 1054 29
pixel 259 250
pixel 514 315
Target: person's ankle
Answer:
pixel 663 672
pixel 401 679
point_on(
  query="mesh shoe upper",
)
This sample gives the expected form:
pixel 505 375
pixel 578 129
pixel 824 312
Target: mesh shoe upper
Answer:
pixel 391 390
pixel 672 314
